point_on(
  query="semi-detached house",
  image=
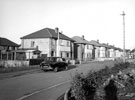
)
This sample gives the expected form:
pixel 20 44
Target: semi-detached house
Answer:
pixel 82 49
pixel 50 42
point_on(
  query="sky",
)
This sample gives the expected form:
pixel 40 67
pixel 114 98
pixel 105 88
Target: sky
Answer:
pixel 95 19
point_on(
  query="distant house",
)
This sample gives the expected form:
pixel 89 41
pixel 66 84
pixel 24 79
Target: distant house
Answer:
pixel 49 42
pixel 82 48
pixel 8 49
pixel 96 49
pixel 128 53
pixel 133 53
pixel 106 51
pixel 111 50
pixel 118 52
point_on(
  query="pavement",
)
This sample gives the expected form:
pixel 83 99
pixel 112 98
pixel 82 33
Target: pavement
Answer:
pixel 17 73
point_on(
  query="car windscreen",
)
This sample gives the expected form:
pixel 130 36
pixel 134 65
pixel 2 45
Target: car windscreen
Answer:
pixel 50 59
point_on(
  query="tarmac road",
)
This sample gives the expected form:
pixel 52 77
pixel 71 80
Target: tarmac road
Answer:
pixel 44 85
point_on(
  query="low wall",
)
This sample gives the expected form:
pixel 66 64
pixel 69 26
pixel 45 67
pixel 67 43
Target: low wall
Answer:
pixel 13 63
pixel 104 59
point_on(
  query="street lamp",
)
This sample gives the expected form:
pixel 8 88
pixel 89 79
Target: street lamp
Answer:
pixel 123 14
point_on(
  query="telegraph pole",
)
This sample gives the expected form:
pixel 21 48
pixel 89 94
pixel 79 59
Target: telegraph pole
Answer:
pixel 123 14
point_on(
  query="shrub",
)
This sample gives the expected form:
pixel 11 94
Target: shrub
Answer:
pixel 86 87
pixel 83 88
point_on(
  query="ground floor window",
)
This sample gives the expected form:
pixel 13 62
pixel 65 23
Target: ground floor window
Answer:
pixel 67 55
pixel 52 53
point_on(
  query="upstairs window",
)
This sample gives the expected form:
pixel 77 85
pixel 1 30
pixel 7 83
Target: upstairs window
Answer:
pixel 67 55
pixel 32 43
pixel 53 42
pixel 68 43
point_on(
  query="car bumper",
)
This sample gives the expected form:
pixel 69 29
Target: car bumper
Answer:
pixel 46 68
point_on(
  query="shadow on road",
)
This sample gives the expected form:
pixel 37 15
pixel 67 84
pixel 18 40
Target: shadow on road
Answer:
pixel 71 67
pixel 61 97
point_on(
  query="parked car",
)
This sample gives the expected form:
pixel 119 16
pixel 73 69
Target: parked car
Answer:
pixel 54 63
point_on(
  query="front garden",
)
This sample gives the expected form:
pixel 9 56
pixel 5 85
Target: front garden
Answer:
pixel 118 81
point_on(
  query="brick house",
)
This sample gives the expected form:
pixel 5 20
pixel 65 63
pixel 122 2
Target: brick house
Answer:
pixel 49 41
pixel 8 49
pixel 82 48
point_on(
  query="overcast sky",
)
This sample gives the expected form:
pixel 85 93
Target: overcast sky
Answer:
pixel 95 19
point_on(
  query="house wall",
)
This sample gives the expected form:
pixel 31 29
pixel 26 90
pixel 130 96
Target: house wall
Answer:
pixel 88 52
pixel 43 44
pixel 80 52
pixel 76 51
pixel 72 50
pixel 97 52
pixel 64 48
pixel 118 53
pixel 111 52
pixel 6 52
pixel 47 46
pixel 102 52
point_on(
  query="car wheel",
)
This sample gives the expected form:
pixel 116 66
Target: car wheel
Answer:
pixel 56 69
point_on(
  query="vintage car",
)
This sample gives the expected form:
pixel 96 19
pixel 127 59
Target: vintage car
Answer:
pixel 54 63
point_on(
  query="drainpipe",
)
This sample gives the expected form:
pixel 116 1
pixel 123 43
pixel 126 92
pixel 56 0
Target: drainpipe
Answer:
pixel 58 51
pixel 7 55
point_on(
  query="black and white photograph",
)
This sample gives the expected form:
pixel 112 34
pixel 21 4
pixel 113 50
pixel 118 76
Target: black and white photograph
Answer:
pixel 67 50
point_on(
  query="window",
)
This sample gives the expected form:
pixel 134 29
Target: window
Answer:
pixel 68 43
pixel 67 55
pixel 32 43
pixel 53 42
pixel 52 53
pixel 62 42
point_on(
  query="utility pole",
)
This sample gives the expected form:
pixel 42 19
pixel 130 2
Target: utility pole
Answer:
pixel 123 14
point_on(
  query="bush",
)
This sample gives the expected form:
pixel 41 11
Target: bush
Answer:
pixel 86 87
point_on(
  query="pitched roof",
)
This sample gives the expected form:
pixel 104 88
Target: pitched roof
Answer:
pixel 93 42
pixel 6 42
pixel 133 50
pixel 111 47
pixel 80 40
pixel 117 48
pixel 46 33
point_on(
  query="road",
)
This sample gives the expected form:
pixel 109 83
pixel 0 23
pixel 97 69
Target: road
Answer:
pixel 43 85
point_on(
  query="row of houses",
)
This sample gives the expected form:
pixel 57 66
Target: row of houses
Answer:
pixel 50 42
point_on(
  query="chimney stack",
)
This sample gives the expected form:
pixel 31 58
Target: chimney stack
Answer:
pixel 61 32
pixel 56 30
pixel 97 40
pixel 83 37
